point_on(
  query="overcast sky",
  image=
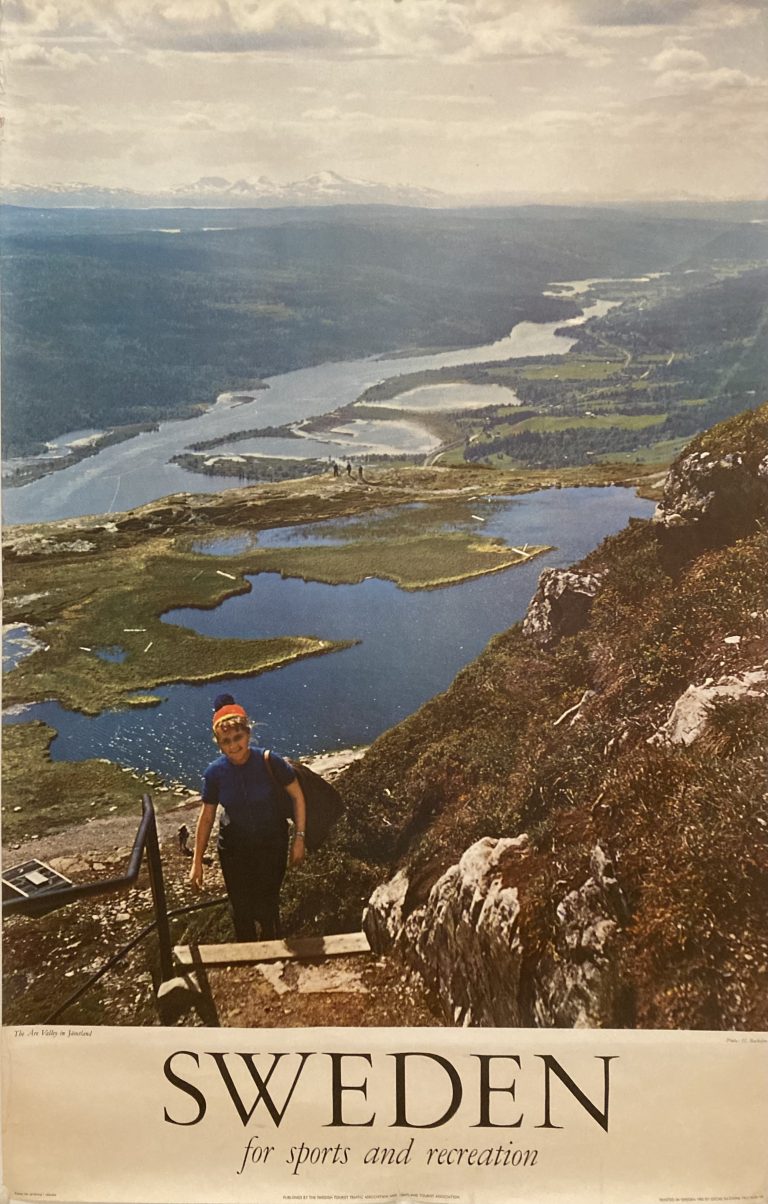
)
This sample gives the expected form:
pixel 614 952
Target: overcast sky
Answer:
pixel 607 98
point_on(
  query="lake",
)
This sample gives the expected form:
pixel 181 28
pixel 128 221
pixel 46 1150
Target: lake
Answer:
pixel 411 644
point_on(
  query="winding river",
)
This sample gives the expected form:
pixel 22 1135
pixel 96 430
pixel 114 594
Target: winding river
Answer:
pixel 409 645
pixel 137 471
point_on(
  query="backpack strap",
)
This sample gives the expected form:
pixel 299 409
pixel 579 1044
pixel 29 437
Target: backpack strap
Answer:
pixel 280 790
pixel 270 770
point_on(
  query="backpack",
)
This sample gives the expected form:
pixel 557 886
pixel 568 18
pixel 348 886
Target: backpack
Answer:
pixel 324 803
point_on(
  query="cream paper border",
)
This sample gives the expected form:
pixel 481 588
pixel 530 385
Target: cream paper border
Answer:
pixel 84 1109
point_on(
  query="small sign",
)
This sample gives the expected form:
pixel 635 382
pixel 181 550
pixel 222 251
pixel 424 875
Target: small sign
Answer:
pixel 30 879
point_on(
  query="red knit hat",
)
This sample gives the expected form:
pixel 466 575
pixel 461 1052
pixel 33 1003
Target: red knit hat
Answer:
pixel 231 710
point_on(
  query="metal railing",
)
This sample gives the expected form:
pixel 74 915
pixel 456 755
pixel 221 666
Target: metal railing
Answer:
pixel 61 896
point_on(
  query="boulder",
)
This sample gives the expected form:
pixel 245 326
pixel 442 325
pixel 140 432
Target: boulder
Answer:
pixel 690 714
pixel 561 604
pixel 578 988
pixel 383 918
pixel 463 940
pixel 722 496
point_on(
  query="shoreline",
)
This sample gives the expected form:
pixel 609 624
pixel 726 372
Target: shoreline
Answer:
pixel 267 382
pixel 112 835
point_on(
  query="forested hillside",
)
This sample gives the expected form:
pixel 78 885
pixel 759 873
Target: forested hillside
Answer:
pixel 108 323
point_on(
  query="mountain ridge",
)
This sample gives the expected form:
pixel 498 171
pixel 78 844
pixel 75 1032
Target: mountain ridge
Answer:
pixel 321 188
pixel 327 187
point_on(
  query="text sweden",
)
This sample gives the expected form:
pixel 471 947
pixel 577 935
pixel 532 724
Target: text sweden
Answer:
pixel 489 1093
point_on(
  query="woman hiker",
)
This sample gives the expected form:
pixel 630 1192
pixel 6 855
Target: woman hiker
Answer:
pixel 253 831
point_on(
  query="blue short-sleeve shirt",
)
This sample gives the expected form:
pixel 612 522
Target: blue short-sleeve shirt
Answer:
pixel 254 810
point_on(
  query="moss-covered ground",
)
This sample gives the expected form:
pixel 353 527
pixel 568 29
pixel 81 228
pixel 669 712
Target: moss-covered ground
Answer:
pixel 41 796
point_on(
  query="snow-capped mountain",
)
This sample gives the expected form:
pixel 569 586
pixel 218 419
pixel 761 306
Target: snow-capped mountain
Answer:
pixel 323 188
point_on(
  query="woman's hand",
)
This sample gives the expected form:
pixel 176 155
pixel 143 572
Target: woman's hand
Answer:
pixel 299 821
pixel 202 832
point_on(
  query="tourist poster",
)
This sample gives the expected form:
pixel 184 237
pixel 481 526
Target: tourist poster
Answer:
pixel 384 389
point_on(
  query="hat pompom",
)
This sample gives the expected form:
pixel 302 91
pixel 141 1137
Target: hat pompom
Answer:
pixel 222 700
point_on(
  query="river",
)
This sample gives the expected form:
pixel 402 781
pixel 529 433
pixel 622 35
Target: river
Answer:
pixel 410 644
pixel 136 471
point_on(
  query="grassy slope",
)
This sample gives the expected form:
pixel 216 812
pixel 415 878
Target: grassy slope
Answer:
pixel 685 826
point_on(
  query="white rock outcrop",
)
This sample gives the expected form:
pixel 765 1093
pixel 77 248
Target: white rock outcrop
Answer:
pixel 690 714
pixel 577 987
pixel 561 604
pixel 706 489
pixel 465 941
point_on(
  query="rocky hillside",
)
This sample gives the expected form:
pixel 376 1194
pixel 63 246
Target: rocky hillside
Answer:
pixel 575 833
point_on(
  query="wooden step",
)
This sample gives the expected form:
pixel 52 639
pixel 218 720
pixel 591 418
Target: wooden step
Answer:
pixel 272 951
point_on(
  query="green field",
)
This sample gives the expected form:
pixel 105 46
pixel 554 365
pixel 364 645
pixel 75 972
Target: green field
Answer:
pixel 653 453
pixel 573 369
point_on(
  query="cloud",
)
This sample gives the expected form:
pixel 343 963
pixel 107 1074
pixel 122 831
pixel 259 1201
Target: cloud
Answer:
pixel 675 58
pixel 432 29
pixel 48 117
pixel 30 54
pixel 660 13
pixel 720 79
pixel 680 70
pixel 194 121
pixel 329 113
pixel 34 19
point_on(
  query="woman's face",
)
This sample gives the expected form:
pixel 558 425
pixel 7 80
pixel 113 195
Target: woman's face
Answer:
pixel 234 742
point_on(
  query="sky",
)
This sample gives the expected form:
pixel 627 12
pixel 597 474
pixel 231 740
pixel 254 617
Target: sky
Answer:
pixel 590 99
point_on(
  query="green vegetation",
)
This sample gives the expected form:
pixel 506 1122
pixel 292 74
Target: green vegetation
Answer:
pixel 42 796
pixel 95 599
pixel 660 453
pixel 689 388
pixel 629 377
pixel 107 322
pixel 415 562
pixel 565 368
pixel 685 826
pixel 248 467
pixel 629 422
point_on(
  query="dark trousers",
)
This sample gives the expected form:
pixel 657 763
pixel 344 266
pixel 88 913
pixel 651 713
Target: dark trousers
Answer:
pixel 253 877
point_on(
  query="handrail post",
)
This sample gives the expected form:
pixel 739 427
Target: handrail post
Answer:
pixel 172 986
pixel 157 883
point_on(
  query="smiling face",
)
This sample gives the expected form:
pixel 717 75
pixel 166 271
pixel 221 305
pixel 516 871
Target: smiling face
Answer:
pixel 233 738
